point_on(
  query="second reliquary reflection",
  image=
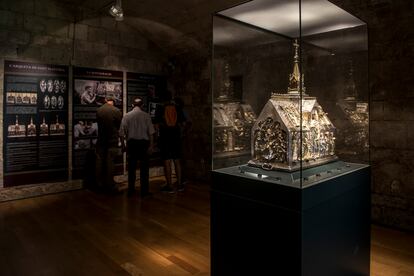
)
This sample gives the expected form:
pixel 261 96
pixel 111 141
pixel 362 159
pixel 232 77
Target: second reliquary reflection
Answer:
pixel 354 130
pixel 233 120
pixel 282 139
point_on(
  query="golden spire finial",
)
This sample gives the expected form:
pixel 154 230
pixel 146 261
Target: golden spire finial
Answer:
pixel 295 78
pixel 296 46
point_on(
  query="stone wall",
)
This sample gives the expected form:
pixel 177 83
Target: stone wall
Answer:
pixel 391 59
pixel 47 31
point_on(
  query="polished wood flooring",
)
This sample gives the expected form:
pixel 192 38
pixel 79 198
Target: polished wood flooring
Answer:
pixel 83 233
pixel 392 252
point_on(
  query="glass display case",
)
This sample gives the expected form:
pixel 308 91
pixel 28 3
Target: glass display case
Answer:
pixel 290 91
pixel 290 140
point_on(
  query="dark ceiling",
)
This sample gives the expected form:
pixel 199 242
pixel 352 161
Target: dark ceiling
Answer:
pixel 177 26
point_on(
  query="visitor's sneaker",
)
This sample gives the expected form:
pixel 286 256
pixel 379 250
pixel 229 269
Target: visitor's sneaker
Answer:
pixel 167 189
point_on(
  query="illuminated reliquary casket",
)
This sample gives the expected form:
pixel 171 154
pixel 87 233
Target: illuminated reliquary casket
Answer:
pixel 278 140
pixel 233 122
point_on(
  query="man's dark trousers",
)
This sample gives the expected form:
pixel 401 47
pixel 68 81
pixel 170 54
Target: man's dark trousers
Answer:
pixel 137 150
pixel 105 167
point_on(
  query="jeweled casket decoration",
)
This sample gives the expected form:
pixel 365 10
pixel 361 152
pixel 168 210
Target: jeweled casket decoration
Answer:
pixel 282 139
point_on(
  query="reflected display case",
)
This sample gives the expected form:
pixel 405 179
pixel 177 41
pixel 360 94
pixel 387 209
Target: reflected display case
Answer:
pixel 290 108
pixel 233 118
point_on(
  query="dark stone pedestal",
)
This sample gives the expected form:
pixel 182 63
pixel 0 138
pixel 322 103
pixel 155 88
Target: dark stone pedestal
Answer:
pixel 260 227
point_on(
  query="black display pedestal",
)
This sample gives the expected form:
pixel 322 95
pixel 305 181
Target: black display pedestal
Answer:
pixel 259 227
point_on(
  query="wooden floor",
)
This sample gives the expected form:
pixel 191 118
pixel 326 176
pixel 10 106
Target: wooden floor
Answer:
pixel 82 233
pixel 392 252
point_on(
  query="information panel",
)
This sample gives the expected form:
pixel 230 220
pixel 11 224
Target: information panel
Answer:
pixel 35 120
pixel 90 86
pixel 151 88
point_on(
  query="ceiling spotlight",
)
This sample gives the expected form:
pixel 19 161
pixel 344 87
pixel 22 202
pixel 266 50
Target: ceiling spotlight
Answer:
pixel 116 11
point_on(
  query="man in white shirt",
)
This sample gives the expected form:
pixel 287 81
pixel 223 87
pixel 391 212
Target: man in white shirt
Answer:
pixel 138 131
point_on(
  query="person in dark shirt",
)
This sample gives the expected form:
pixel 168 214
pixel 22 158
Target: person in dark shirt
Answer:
pixel 169 118
pixel 109 120
pixel 186 127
